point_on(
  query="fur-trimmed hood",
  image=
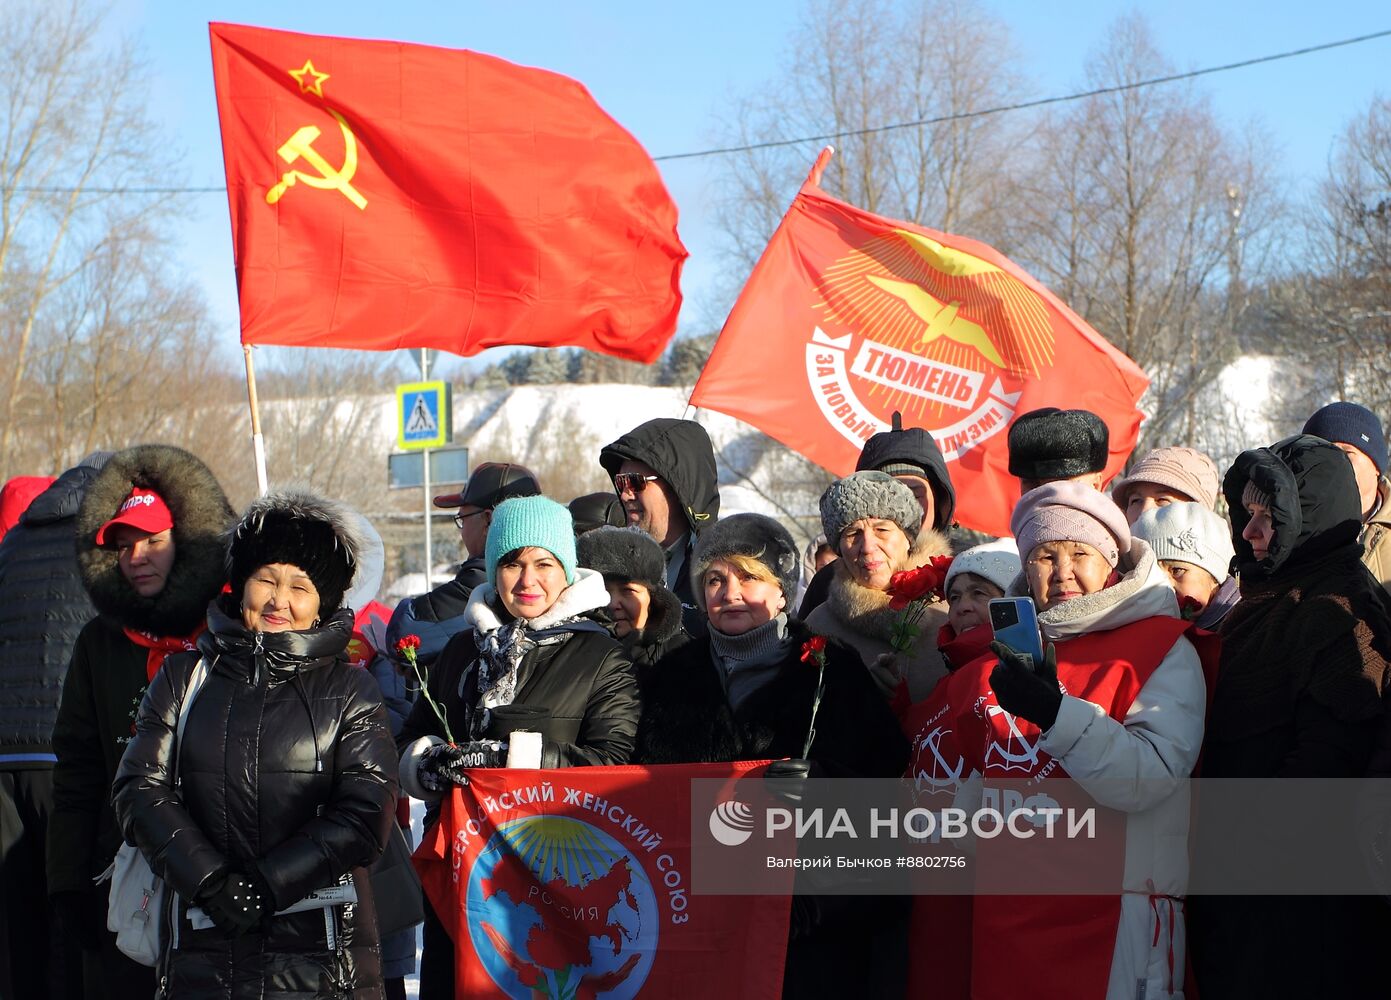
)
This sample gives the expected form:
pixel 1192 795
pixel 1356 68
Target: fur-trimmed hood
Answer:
pixel 201 516
pixel 586 594
pixel 352 534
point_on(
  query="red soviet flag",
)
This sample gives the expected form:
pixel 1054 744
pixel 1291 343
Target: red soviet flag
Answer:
pixel 386 195
pixel 577 883
pixel 867 315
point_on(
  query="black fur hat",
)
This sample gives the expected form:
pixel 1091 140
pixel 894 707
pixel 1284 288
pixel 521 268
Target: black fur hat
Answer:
pixel 626 553
pixel 302 529
pixel 593 510
pixel 1057 444
pixel 758 537
pixel 630 554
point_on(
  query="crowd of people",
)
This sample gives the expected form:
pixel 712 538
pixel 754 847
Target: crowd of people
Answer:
pixel 175 677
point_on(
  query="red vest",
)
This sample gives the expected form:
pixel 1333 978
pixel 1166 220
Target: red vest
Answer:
pixel 1054 946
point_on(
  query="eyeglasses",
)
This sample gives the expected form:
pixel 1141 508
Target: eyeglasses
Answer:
pixel 632 482
pixel 459 518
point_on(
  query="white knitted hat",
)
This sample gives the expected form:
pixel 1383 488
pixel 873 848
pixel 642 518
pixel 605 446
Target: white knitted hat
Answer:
pixel 996 561
pixel 1188 532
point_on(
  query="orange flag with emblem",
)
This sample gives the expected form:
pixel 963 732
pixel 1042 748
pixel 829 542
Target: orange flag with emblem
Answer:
pixel 386 195
pixel 867 316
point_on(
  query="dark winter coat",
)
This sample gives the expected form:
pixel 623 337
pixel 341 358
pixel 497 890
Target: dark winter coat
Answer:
pixel 681 453
pixel 662 634
pixel 287 775
pixel 106 678
pixel 854 946
pixel 438 615
pixel 586 682
pixel 1306 656
pixel 43 607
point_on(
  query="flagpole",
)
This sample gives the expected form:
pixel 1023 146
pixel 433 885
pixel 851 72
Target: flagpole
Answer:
pixel 258 444
pixel 425 480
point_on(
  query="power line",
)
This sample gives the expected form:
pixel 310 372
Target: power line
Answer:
pixel 938 120
pixel 1037 103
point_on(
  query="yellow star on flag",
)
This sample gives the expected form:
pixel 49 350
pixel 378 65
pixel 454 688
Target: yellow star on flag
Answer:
pixel 314 86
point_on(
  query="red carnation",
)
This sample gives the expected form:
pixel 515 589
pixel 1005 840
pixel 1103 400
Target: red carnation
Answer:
pixel 406 646
pixel 814 650
pixel 922 584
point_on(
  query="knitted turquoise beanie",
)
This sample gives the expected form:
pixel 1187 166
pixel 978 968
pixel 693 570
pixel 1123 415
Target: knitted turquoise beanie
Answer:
pixel 524 522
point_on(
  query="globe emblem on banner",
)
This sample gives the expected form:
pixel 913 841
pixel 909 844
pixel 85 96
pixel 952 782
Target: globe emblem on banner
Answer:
pixel 946 338
pixel 558 908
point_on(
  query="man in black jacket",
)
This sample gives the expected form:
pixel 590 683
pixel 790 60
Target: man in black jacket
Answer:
pixel 664 472
pixel 43 607
pixel 436 616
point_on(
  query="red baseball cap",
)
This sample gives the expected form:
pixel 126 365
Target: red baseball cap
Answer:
pixel 143 509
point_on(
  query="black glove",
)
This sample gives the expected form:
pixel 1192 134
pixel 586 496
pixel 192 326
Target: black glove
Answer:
pixel 1030 693
pixel 83 916
pixel 233 904
pixel 787 779
pixel 446 764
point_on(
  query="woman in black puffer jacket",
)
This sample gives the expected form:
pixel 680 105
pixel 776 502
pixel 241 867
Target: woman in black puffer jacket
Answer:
pixel 287 771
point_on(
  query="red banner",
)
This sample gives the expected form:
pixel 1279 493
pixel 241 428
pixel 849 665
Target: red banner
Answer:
pixel 386 195
pixel 862 315
pixel 576 883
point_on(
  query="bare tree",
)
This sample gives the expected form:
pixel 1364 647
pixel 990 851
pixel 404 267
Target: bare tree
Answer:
pixel 1141 209
pixel 1334 313
pixel 859 64
pixel 74 138
pixel 322 416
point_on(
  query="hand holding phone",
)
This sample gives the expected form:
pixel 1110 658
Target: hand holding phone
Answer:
pixel 1025 681
pixel 1015 624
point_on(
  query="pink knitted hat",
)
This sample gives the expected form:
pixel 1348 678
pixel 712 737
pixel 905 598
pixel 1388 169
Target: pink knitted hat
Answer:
pixel 1070 512
pixel 1182 470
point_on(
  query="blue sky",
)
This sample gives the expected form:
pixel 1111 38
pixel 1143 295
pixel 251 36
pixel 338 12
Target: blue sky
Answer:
pixel 665 71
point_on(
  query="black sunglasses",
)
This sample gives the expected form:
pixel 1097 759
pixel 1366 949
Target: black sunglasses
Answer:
pixel 632 481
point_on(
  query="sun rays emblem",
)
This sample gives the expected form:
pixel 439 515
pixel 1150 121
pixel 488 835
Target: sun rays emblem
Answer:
pixel 922 299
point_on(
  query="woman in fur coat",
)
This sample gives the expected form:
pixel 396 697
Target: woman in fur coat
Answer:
pixel 872 520
pixel 150 543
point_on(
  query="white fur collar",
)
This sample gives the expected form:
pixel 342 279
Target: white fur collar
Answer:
pixel 585 594
pixel 1143 592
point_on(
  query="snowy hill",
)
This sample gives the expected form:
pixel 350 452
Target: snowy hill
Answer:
pixel 558 430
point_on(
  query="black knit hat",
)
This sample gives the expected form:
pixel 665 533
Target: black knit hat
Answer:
pixel 301 529
pixel 625 553
pixel 1057 444
pixel 912 451
pixel 757 537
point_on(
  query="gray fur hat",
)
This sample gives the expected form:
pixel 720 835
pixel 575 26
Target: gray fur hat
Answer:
pixel 868 494
pixel 628 553
pixel 758 537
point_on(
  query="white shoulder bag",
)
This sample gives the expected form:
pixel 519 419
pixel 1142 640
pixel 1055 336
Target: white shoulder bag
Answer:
pixel 138 908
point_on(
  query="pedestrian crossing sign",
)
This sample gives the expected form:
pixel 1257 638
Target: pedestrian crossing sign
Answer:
pixel 424 416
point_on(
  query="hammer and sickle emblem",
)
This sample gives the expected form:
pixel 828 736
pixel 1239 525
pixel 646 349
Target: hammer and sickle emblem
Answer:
pixel 300 146
pixel 952 774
